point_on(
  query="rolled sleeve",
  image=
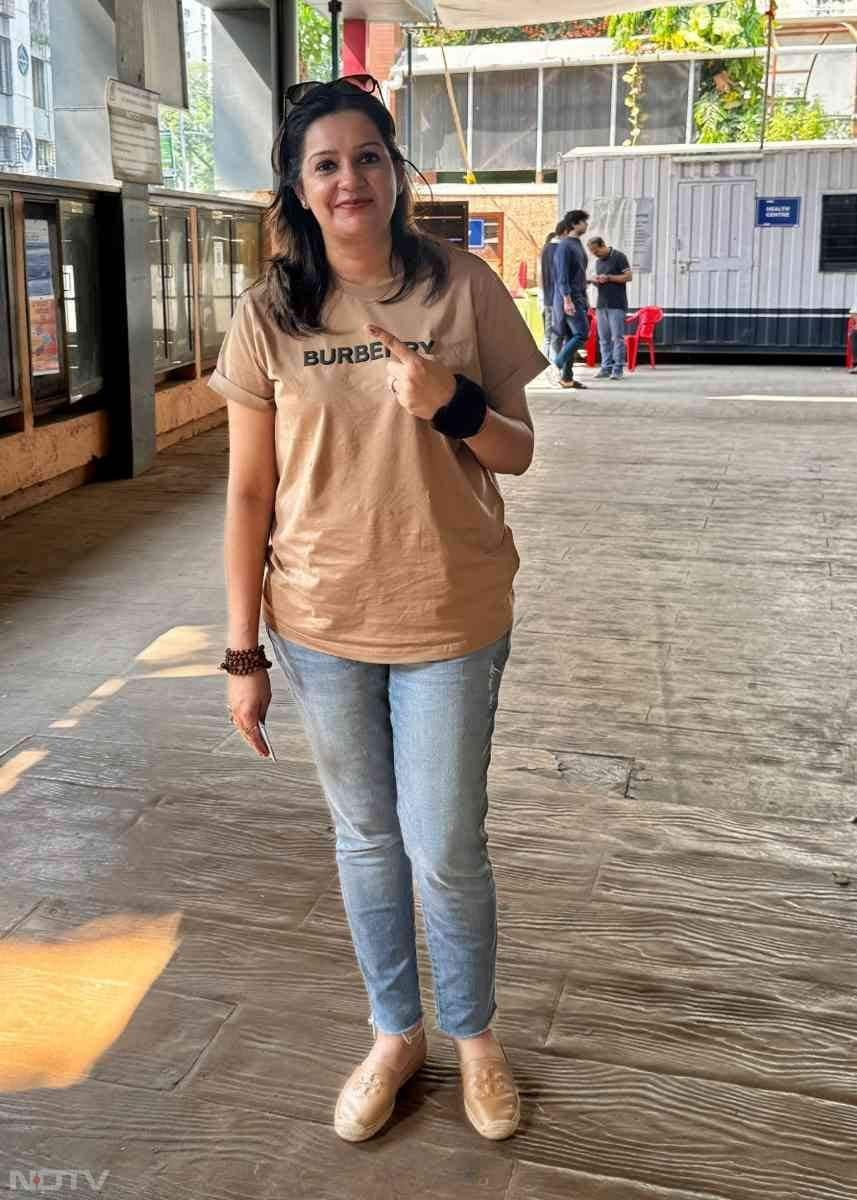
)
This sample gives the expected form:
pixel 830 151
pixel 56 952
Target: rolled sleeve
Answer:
pixel 509 358
pixel 242 373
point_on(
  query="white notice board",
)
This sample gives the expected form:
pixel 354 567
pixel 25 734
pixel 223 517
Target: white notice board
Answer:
pixel 135 140
pixel 628 224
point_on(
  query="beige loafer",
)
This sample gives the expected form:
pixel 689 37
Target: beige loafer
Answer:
pixel 491 1099
pixel 366 1103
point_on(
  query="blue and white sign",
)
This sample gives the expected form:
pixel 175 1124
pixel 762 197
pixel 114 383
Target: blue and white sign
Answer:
pixel 782 212
pixel 476 234
pixel 23 60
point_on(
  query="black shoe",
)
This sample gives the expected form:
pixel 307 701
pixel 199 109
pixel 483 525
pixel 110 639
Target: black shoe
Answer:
pixel 573 383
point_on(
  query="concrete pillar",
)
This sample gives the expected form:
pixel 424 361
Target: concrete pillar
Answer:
pixel 131 351
pixel 241 42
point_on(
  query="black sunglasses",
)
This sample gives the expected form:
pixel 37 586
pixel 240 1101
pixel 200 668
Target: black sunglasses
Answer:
pixel 298 92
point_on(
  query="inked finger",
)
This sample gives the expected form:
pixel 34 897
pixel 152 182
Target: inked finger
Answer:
pixel 395 345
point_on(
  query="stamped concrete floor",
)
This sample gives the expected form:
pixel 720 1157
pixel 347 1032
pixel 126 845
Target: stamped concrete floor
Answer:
pixel 674 827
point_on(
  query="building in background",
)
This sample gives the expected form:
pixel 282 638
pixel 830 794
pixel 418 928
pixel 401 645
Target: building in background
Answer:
pixel 27 142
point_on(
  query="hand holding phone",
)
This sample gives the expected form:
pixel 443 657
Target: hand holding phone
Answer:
pixel 264 734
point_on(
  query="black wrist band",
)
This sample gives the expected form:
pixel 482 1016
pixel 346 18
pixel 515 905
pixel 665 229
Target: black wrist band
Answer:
pixel 465 414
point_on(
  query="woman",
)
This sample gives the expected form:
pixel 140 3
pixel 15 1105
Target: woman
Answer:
pixel 375 384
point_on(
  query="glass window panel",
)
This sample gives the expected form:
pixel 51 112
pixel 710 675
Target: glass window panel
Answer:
pixel 663 104
pixel 40 85
pixel 246 253
pixel 9 151
pixel 215 287
pixel 6 77
pixel 81 298
pixel 505 116
pixel 436 144
pixel 839 232
pixel 177 286
pixel 9 402
pixel 156 282
pixel 576 110
pixel 45 157
pixel 41 257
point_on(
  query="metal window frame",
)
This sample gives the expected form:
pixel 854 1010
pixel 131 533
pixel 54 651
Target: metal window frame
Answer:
pixel 829 193
pixel 618 63
pixel 171 361
pixel 96 385
pixel 540 120
pixel 614 102
pixel 51 164
pixel 39 69
pixel 7 282
pixel 7 69
pixel 45 401
pixel 691 102
pixel 10 135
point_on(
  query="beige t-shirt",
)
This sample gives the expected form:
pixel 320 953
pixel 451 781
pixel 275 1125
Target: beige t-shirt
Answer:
pixel 389 542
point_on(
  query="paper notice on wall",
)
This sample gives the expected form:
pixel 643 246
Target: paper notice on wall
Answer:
pixel 628 224
pixel 44 348
pixel 135 140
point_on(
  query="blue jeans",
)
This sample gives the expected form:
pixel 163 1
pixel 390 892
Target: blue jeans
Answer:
pixel 402 752
pixel 578 328
pixel 611 337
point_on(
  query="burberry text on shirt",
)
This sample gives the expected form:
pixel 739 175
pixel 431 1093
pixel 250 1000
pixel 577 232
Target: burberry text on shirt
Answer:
pixel 334 355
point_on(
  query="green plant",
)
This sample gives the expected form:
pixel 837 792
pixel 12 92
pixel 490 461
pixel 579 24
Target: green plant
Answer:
pixel 731 91
pixel 314 43
pixel 635 79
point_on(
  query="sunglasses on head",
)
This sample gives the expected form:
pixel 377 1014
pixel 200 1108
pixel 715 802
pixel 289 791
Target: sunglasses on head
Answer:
pixel 298 92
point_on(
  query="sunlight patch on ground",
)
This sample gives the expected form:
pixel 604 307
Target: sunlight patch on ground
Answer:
pixel 12 770
pixel 185 650
pixel 64 1003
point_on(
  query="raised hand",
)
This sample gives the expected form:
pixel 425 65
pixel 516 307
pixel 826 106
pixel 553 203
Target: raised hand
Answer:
pixel 420 383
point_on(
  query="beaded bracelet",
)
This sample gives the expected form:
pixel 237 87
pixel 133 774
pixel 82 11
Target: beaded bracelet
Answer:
pixel 245 662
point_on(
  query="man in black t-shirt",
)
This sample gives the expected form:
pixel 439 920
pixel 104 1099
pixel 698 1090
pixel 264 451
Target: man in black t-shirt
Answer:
pixel 612 276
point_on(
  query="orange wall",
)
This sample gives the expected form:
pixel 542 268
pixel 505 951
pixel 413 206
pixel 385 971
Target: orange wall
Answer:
pixel 185 408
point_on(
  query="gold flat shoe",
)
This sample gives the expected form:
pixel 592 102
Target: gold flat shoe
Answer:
pixel 491 1099
pixel 368 1098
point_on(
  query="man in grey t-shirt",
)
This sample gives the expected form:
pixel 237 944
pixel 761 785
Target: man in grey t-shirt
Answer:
pixel 612 276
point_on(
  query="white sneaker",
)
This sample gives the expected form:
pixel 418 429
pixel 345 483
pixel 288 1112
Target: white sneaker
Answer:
pixel 554 374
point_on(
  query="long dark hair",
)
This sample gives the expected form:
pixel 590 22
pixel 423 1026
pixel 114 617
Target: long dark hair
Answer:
pixel 298 276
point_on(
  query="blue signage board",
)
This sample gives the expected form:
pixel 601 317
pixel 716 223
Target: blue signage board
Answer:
pixel 782 212
pixel 476 233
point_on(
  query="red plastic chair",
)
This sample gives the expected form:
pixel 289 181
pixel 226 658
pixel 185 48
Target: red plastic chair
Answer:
pixel 592 340
pixel 850 328
pixel 647 319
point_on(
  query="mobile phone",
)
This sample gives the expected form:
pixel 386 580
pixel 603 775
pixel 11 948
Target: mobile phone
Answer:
pixel 263 731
